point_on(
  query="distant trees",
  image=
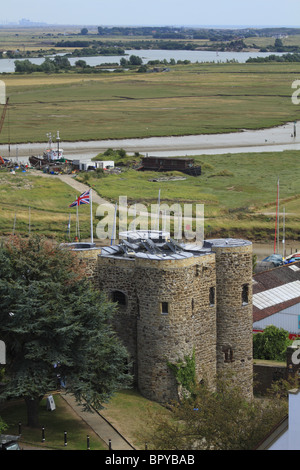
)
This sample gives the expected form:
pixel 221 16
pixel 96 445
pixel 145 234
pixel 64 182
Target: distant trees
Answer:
pixel 80 63
pixel 84 31
pixel 276 58
pixel 48 66
pixel 278 44
pixel 133 61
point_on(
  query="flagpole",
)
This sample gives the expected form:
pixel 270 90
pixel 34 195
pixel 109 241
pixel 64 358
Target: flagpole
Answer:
pixel 69 226
pixel 276 220
pixel 158 204
pixel 114 225
pixel 78 230
pixel 91 204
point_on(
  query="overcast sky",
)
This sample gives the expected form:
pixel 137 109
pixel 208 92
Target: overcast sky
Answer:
pixel 154 12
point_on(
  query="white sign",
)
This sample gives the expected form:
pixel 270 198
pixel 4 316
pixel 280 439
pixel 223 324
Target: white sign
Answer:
pixel 51 403
pixel 2 353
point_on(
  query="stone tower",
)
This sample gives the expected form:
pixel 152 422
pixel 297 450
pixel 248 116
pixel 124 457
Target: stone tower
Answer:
pixel 177 300
pixel 234 309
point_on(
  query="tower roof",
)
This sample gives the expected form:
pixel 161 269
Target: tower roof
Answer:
pixel 157 245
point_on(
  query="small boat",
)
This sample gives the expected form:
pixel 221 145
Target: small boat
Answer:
pixel 50 157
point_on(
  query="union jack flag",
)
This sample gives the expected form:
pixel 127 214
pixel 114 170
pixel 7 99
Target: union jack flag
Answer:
pixel 84 198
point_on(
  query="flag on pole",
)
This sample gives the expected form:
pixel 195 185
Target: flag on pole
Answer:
pixel 84 198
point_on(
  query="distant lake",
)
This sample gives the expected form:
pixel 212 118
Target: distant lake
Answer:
pixel 8 65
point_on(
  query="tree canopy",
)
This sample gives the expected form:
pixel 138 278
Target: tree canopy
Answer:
pixel 55 325
pixel 220 419
pixel 271 344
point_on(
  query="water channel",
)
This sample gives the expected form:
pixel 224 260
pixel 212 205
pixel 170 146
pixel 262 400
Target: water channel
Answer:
pixel 277 139
pixel 8 65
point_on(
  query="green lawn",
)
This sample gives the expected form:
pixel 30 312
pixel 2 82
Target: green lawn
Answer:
pixel 55 423
pixel 193 99
pixel 238 191
pixel 39 204
pixel 127 410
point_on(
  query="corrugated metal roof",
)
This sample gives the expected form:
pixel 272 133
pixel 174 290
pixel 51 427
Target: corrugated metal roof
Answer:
pixel 276 295
pixel 294 268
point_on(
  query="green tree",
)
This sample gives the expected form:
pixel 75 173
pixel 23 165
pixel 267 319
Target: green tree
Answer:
pixel 25 66
pixel 271 344
pixel 3 425
pixel 278 45
pixel 48 66
pixel 80 63
pixel 218 419
pixel 61 62
pixel 55 323
pixel 135 60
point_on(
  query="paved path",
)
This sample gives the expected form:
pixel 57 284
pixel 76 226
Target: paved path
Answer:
pixel 80 187
pixel 100 426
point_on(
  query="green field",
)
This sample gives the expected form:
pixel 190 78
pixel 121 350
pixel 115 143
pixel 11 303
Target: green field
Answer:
pixel 55 423
pixel 238 191
pixel 191 99
pixel 38 204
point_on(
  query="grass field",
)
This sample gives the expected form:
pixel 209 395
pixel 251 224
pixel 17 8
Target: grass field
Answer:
pixel 40 205
pixel 238 191
pixel 127 410
pixel 55 423
pixel 193 99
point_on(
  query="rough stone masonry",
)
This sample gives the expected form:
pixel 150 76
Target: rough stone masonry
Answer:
pixel 175 300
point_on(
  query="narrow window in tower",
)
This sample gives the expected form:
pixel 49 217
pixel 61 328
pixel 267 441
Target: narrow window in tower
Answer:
pixel 164 308
pixel 245 294
pixel 211 296
pixel 228 355
pixel 119 297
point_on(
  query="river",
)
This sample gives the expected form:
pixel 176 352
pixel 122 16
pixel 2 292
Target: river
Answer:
pixel 8 65
pixel 276 139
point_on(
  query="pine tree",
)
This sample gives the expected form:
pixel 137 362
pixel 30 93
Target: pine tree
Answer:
pixel 56 326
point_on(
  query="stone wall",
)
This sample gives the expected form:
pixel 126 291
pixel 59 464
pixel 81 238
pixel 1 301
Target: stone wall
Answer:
pixel 169 309
pixel 154 337
pixel 118 275
pixel 189 324
pixel 234 313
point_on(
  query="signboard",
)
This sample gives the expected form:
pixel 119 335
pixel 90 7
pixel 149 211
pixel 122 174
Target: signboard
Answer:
pixel 50 403
pixel 2 353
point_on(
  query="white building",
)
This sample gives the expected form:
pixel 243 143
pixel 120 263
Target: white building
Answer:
pixel 286 435
pixel 276 299
pixel 84 165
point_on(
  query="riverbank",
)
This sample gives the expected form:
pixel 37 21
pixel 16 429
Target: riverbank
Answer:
pixel 276 139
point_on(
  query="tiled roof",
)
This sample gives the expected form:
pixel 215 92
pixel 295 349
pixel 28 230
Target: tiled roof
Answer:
pixel 275 290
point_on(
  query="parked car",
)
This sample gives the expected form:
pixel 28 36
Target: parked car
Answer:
pixel 8 442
